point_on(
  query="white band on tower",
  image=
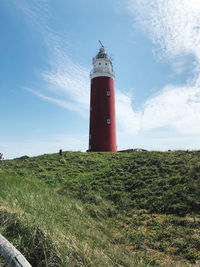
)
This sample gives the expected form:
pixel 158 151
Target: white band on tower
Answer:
pixel 102 65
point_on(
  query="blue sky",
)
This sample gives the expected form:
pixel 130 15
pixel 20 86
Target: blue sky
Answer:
pixel 46 56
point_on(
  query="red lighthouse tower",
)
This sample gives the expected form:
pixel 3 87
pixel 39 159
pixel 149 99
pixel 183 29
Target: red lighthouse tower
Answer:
pixel 102 104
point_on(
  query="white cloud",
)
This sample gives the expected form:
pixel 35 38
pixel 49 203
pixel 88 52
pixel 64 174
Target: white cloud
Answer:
pixel 59 102
pixel 173 108
pixel 65 83
pixel 127 119
pixel 177 108
pixel 174 25
pixel 36 11
pixel 70 81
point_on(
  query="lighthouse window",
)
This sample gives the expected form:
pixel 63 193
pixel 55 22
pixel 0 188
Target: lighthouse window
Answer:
pixel 108 121
pixel 99 63
pixel 106 64
pixel 108 93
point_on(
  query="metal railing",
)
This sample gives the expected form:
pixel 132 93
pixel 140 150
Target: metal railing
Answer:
pixel 101 56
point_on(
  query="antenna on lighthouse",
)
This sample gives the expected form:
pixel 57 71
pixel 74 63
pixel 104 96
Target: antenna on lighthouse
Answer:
pixel 101 43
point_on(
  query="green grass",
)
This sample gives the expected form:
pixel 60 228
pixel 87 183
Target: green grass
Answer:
pixel 103 209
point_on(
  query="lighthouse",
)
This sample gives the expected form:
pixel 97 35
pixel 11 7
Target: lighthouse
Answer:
pixel 102 132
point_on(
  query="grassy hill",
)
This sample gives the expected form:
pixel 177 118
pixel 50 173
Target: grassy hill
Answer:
pixel 103 209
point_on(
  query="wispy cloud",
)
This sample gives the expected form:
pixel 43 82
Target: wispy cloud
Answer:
pixel 174 25
pixel 65 83
pixel 128 120
pixel 69 80
pixel 59 102
pixel 174 107
pixel 36 12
